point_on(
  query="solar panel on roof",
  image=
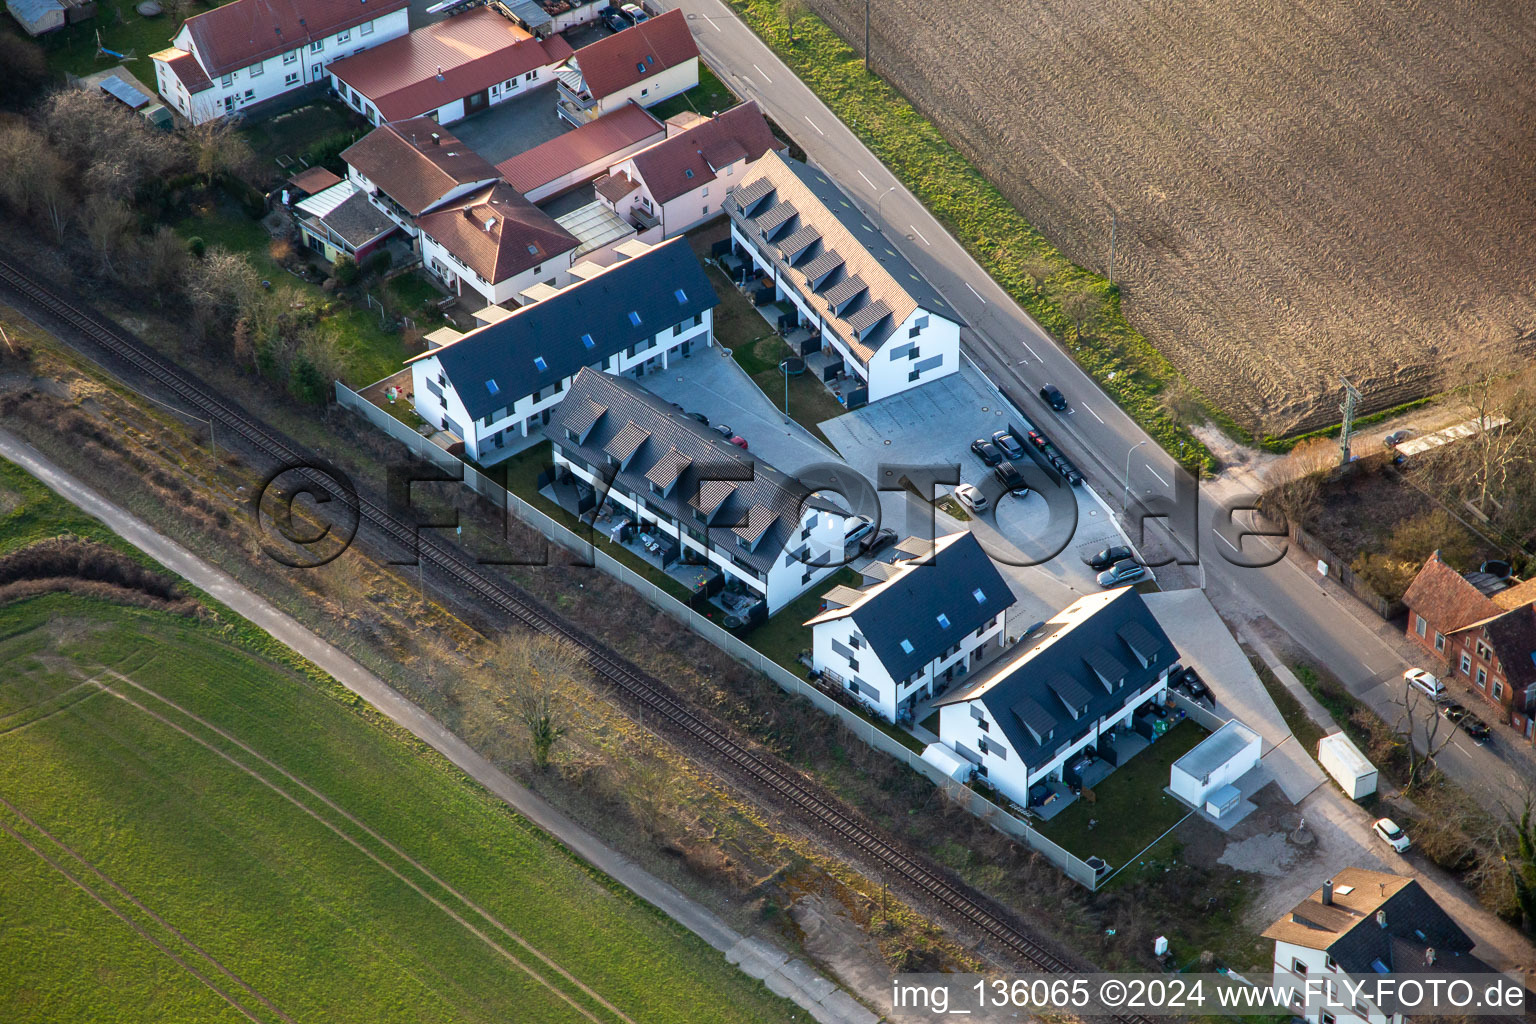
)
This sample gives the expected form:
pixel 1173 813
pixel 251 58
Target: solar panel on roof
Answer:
pixel 121 90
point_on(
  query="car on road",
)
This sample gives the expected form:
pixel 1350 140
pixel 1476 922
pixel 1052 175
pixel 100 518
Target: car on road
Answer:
pixel 986 451
pixel 1396 438
pixel 1008 444
pixel 614 19
pixel 723 430
pixel 698 416
pixel 972 498
pixel 1427 684
pixel 1390 834
pixel 873 544
pixel 739 441
pixel 634 13
pixel 1012 480
pixel 1453 712
pixel 1109 556
pixel 1121 573
pixel 1053 397
pixel 1475 728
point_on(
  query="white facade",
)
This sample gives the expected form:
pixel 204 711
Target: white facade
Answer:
pixel 1218 760
pixel 647 92
pixel 968 728
pixel 1343 760
pixel 843 655
pixel 500 92
pixel 554 271
pixel 687 211
pixel 438 402
pixel 394 212
pixel 1298 966
pixel 282 73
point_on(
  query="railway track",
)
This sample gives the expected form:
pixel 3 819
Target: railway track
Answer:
pixel 820 812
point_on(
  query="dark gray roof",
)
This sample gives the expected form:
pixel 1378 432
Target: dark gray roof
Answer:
pixel 774 218
pixel 870 315
pixel 844 290
pixel 357 220
pixel 907 608
pixel 1409 912
pixel 552 329
pixel 798 242
pixel 766 506
pixel 1064 664
pixel 822 265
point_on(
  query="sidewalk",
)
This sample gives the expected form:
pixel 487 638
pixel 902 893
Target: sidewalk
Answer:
pixel 792 979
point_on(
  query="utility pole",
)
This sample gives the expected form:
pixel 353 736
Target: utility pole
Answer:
pixel 866 37
pixel 1113 222
pixel 1352 398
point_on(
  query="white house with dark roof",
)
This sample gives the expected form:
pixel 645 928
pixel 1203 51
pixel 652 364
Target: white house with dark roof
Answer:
pixel 1079 695
pixel 702 500
pixel 914 628
pixel 877 325
pixel 244 53
pixel 506 378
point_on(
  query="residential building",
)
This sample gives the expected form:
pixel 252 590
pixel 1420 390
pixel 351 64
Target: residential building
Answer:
pixel 409 168
pixel 1483 631
pixel 877 327
pixel 702 500
pixel 448 70
pixel 574 158
pixel 1082 691
pixel 494 244
pixel 507 377
pixel 914 627
pixel 649 62
pixel 679 183
pixel 231 58
pixel 1361 924
pixel 340 221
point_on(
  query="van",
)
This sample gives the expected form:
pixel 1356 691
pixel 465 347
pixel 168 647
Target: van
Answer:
pixel 1426 684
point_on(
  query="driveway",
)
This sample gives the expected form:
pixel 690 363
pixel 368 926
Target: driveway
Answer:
pixel 512 127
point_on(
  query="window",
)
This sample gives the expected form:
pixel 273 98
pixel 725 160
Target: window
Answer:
pixel 227 81
pixel 539 364
pixel 1419 625
pixel 1498 690
pixel 979 595
pixel 705 193
pixel 291 79
pixel 1298 965
pixel 250 94
pixel 365 29
pixel 1466 663
pixel 586 340
pixel 344 35
pixel 1482 678
pixel 1484 651
pixel 681 296
pixel 256 69
pixel 913 376
pixel 853 663
pixel 530 76
pixel 1440 642
pixel 634 318
pixel 943 621
pixel 290 56
pixel 906 645
pixel 705 210
pixel 317 46
pixel 640 67
pixel 1328 1018
pixel 493 387
pixel 1330 963
pixel 688 172
pixel 913 352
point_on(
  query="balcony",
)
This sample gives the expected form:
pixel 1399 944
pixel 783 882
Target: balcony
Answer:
pixel 643 218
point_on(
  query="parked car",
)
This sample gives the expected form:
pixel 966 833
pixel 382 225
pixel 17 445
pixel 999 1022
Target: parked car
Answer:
pixel 723 430
pixel 876 543
pixel 1012 480
pixel 634 12
pixel 1396 438
pixel 1453 712
pixel 1054 398
pixel 986 451
pixel 971 498
pixel 739 441
pixel 1426 684
pixel 1009 444
pixel 615 19
pixel 1475 728
pixel 1109 556
pixel 1122 573
pixel 1390 834
pixel 1190 682
pixel 858 527
pixel 698 416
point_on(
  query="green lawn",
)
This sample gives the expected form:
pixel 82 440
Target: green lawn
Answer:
pixel 706 98
pixel 1130 806
pixel 244 807
pixel 30 512
pixel 785 635
pixel 73 48
pixel 313 133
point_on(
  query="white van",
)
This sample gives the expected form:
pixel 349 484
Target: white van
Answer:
pixel 1426 684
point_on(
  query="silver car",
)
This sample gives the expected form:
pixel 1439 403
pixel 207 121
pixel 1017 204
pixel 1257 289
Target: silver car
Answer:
pixel 1121 573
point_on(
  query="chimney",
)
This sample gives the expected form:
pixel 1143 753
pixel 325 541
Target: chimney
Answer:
pixel 1328 892
pixel 437 140
pixel 469 214
pixel 1429 957
pixel 1381 918
pixel 439 72
pixel 490 223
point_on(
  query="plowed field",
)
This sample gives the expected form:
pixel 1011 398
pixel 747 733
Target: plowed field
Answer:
pixel 1305 189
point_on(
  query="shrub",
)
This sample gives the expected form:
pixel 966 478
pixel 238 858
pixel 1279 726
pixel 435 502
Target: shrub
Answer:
pixel 346 271
pixel 196 246
pixel 380 262
pixel 305 382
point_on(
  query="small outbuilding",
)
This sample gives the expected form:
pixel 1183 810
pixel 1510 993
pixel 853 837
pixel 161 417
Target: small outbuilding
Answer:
pixel 1349 767
pixel 1206 777
pixel 37 17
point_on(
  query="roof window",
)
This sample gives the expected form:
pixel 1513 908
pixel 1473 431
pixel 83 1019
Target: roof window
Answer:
pixel 687 172
pixel 640 66
pixel 681 296
pixel 634 318
pixel 493 387
pixel 980 597
pixel 586 339
pixel 906 645
pixel 943 621
pixel 533 250
pixel 539 364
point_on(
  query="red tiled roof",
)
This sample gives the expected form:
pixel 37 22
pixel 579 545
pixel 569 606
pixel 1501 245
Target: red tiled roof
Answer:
pixel 613 62
pixel 594 142
pixel 1445 599
pixel 689 159
pixel 313 179
pixel 412 167
pixel 614 187
pixel 241 33
pixel 520 234
pixel 185 67
pixel 440 63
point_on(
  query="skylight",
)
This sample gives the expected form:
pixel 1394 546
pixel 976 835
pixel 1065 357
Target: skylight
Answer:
pixel 980 597
pixel 533 250
pixel 492 387
pixel 906 645
pixel 634 318
pixel 640 66
pixel 539 364
pixel 681 296
pixel 586 339
pixel 943 621
pixel 687 172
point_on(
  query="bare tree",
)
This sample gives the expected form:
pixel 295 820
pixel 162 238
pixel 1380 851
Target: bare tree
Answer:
pixel 163 260
pixel 1038 270
pixel 1293 484
pixel 792 11
pixel 1420 766
pixel 217 147
pixel 34 177
pixel 222 287
pixel 1082 307
pixel 117 151
pixel 535 675
pixel 107 225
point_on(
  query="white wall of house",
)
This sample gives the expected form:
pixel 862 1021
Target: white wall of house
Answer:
pixel 438 402
pixel 459 278
pixel 1295 965
pixel 871 681
pixel 652 90
pixel 274 76
pixel 448 113
pixel 685 212
pixel 963 726
pixel 387 206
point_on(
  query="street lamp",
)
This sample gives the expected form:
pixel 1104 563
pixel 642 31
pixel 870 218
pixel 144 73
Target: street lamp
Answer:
pixel 880 203
pixel 1125 504
pixel 784 369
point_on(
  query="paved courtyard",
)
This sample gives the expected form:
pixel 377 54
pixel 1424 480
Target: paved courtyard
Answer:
pixel 512 127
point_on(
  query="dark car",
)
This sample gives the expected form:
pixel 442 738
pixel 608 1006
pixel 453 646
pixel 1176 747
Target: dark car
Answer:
pixel 1453 712
pixel 1053 397
pixel 615 19
pixel 986 451
pixel 1012 480
pixel 1109 556
pixel 1009 444
pixel 1396 438
pixel 873 544
pixel 1190 682
pixel 723 430
pixel 1476 728
pixel 698 416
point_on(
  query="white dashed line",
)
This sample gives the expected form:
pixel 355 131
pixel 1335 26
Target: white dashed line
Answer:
pixel 1093 414
pixel 866 178
pixel 984 302
pixel 1157 474
pixel 764 74
pixel 919 234
pixel 714 25
pixel 1026 344
pixel 1222 537
pixel 813 124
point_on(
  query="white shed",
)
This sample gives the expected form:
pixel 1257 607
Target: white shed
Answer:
pixel 37 16
pixel 1349 768
pixel 1216 764
pixel 947 761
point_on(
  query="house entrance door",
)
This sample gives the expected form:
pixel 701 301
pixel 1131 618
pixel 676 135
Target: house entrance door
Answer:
pixel 476 101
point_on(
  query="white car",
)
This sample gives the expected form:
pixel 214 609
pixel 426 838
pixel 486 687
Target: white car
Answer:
pixel 971 498
pixel 1427 684
pixel 1390 834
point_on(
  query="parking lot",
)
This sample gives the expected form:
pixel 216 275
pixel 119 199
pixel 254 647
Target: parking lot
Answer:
pixel 512 127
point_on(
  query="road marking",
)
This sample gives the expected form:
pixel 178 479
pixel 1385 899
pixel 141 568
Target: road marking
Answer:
pixel 1156 474
pixel 1223 538
pixel 764 74
pixel 866 178
pixel 984 302
pixel 713 25
pixel 1025 344
pixel 812 124
pixel 919 234
pixel 1093 414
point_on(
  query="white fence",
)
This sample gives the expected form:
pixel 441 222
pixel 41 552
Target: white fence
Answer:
pixel 989 812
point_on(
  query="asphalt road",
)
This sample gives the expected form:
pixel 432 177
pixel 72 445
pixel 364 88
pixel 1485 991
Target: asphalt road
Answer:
pixel 1116 455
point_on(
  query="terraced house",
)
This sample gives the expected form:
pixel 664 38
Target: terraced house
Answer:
pixel 507 378
pixel 875 326
pixel 235 57
pixel 758 537
pixel 916 626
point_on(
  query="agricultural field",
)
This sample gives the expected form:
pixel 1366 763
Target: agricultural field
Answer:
pixel 1303 191
pixel 196 826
